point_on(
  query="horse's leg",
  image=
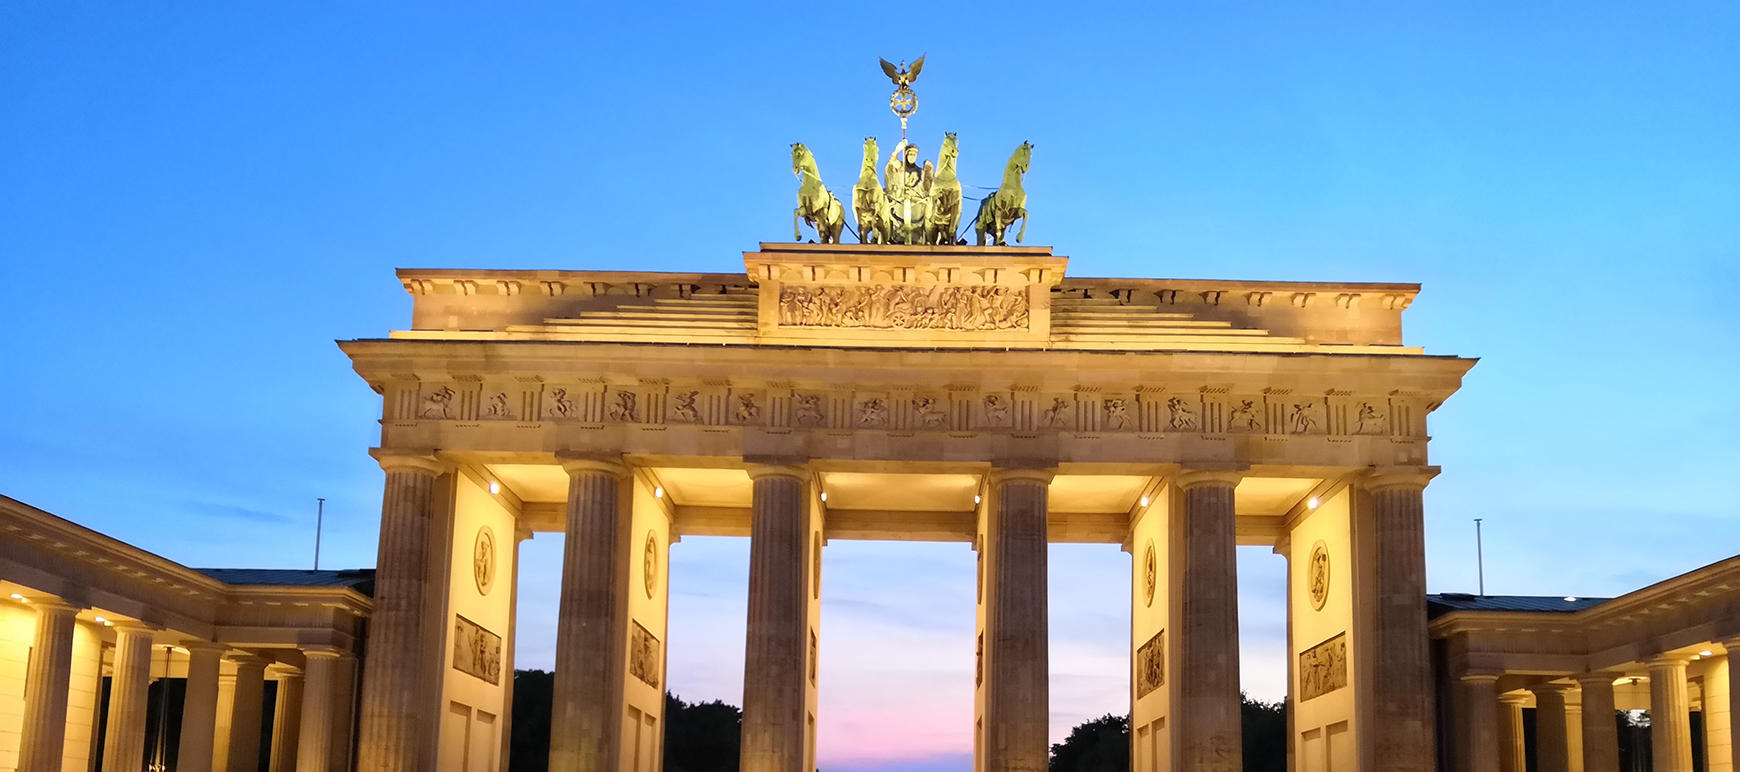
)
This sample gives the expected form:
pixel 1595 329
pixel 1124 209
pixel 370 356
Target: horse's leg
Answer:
pixel 1018 236
pixel 797 214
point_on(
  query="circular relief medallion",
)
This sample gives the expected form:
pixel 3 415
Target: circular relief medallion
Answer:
pixel 1317 575
pixel 483 560
pixel 649 566
pixel 1150 573
pixel 816 565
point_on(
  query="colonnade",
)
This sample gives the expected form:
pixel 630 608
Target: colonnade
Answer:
pixel 1575 730
pixel 221 713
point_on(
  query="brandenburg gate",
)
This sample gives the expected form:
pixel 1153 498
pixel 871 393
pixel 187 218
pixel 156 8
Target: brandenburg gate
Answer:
pixel 899 391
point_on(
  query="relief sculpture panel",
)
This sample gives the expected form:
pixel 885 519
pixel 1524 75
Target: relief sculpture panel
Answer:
pixel 476 651
pixel 905 307
pixel 1151 665
pixel 1323 668
pixel 643 655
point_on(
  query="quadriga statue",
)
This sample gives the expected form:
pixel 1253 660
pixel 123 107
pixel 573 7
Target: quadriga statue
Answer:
pixel 816 205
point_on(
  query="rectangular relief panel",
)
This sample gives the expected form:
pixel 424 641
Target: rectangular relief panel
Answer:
pixel 1323 668
pixel 476 651
pixel 1151 665
pixel 643 655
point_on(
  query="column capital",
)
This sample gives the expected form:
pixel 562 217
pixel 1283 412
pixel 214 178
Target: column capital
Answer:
pixel 51 603
pixel 1513 698
pixel 1386 477
pixel 1003 474
pixel 203 646
pixel 1596 678
pixel 133 626
pixel 246 659
pixel 322 652
pixel 1669 660
pixel 576 464
pixel 419 461
pixel 794 471
pixel 1188 477
pixel 1479 677
pixel 1552 687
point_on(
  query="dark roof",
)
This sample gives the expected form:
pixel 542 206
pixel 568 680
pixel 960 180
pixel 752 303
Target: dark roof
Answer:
pixel 360 579
pixel 1443 603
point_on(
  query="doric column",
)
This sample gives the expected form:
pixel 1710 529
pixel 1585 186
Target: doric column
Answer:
pixel 505 721
pixel 286 719
pixel 314 738
pixel 199 706
pixel 395 690
pixel 1206 576
pixel 1478 749
pixel 45 686
pixel 776 648
pixel 1552 738
pixel 1600 732
pixel 1391 544
pixel 1733 647
pixel 124 739
pixel 1017 695
pixel 245 713
pixel 1512 747
pixel 1670 720
pixel 592 621
pixel 344 679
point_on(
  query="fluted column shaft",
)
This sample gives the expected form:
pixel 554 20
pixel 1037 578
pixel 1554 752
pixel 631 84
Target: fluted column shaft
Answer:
pixel 1512 746
pixel 776 647
pixel 1205 567
pixel 314 736
pixel 1017 694
pixel 395 688
pixel 1392 537
pixel 1600 732
pixel 287 722
pixel 1478 751
pixel 199 707
pixel 1552 739
pixel 1670 721
pixel 124 739
pixel 245 714
pixel 1733 647
pixel 592 622
pixel 45 687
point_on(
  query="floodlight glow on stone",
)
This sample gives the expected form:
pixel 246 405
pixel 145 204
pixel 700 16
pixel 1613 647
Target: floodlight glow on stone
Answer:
pixel 1706 653
pixel 1313 503
pixel 494 487
pixel 658 492
pixel 824 495
pixel 16 596
pixel 1144 501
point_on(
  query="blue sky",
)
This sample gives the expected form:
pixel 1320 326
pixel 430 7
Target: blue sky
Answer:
pixel 197 199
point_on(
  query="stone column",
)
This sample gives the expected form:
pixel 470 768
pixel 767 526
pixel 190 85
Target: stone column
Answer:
pixel 395 688
pixel 343 708
pixel 1670 720
pixel 505 722
pixel 1390 540
pixel 1600 733
pixel 1552 738
pixel 245 710
pixel 124 743
pixel 1732 645
pixel 199 707
pixel 45 687
pixel 286 719
pixel 1017 694
pixel 1512 746
pixel 1206 623
pixel 1478 750
pixel 592 621
pixel 314 738
pixel 777 646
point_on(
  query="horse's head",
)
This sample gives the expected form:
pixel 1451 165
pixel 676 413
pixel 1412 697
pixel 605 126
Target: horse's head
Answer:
pixel 798 154
pixel 871 152
pixel 1023 158
pixel 950 148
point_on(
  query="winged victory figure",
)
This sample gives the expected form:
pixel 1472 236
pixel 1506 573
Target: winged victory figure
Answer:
pixel 901 76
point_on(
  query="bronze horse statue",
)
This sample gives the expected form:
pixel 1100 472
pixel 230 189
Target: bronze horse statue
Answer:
pixel 1001 209
pixel 816 205
pixel 869 200
pixel 943 215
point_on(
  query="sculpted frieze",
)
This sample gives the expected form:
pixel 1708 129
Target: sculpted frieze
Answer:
pixel 1323 668
pixel 904 307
